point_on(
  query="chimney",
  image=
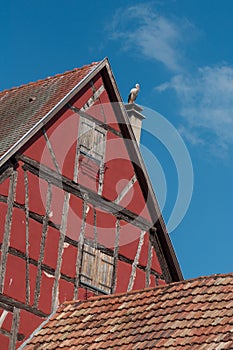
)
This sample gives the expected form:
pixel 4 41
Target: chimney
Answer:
pixel 136 118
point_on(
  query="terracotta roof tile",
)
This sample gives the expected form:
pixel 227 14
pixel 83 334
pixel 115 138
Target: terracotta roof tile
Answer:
pixel 22 107
pixel 196 314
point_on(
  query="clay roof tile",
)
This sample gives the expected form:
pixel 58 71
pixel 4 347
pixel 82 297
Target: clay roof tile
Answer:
pixel 200 318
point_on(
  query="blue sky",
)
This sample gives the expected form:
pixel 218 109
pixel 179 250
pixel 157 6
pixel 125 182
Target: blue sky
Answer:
pixel 181 53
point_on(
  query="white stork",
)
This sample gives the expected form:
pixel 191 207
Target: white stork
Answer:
pixel 133 93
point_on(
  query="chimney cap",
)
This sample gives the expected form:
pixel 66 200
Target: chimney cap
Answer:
pixel 133 106
pixel 134 109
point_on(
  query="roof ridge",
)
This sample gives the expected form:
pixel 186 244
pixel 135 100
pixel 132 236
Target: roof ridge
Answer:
pixel 141 291
pixel 3 92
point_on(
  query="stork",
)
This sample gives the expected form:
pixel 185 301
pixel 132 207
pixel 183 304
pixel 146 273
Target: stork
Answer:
pixel 133 93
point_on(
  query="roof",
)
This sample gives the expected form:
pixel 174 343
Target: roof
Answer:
pixel 194 314
pixel 23 107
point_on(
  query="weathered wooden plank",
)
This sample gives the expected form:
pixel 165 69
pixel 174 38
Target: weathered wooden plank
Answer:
pixel 136 259
pixel 51 151
pixel 97 95
pixel 27 237
pixel 60 252
pixel 14 328
pixel 44 267
pixel 94 97
pixel 3 316
pixel 5 173
pixel 20 336
pixel 42 245
pixel 76 160
pixel 7 229
pixel 101 178
pixel 99 147
pixel 79 191
pixel 80 247
pixel 125 190
pixel 148 266
pixel 14 303
pixel 104 272
pixel 88 264
pixel 98 122
pixel 115 256
pixel 5 332
pixel 159 252
pixel 95 228
pixel 6 308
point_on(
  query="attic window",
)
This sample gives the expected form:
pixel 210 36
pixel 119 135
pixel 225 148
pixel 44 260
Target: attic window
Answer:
pixel 97 269
pixel 91 147
pixel 91 139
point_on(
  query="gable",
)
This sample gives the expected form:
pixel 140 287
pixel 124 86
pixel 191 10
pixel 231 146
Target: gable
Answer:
pixel 77 184
pixel 129 188
pixel 81 129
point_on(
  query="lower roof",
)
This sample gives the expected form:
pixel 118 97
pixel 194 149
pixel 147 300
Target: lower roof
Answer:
pixel 193 314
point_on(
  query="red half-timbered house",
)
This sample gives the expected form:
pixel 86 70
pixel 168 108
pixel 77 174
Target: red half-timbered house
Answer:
pixel 78 212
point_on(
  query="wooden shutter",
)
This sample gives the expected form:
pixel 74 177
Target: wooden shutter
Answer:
pixel 105 271
pixel 88 264
pixel 86 136
pixel 97 269
pixel 91 139
pixel 98 144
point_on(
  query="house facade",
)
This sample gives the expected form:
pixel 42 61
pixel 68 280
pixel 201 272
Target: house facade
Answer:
pixel 78 213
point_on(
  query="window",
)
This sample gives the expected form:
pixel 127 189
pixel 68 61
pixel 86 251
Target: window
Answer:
pixel 91 140
pixel 91 150
pixel 97 269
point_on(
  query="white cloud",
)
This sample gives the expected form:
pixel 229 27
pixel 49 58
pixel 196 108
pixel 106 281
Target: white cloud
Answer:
pixel 190 135
pixel 205 97
pixel 151 34
pixel 206 103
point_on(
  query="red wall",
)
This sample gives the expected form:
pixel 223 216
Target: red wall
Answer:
pixel 63 132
